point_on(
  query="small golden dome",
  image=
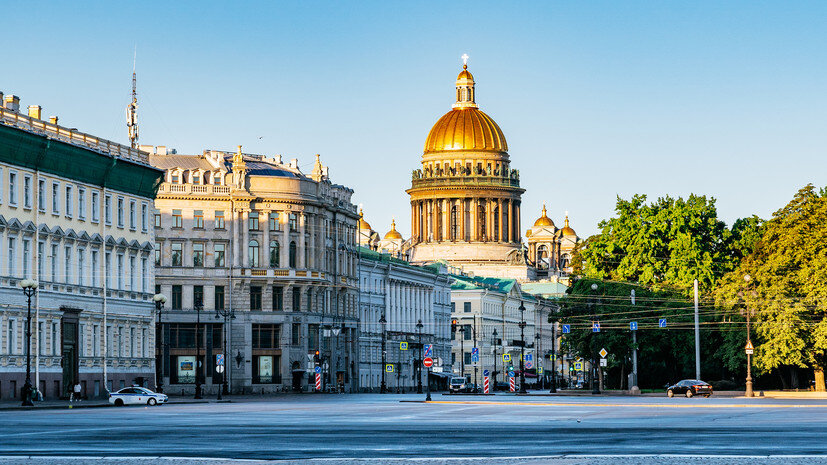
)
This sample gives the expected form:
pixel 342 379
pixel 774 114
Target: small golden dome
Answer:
pixel 393 234
pixel 466 129
pixel 567 231
pixel 362 223
pixel 544 220
pixel 465 74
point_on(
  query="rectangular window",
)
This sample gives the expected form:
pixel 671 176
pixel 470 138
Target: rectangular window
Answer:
pixel 81 203
pixel 55 198
pixel 68 207
pixel 266 336
pixel 196 178
pixel 133 274
pixel 274 221
pixel 144 343
pixel 41 252
pixel 255 298
pixel 144 217
pixel 53 258
pixel 41 339
pixel 198 296
pixel 12 265
pixel 133 215
pixel 177 253
pixel 176 297
pixel 12 188
pixel 55 348
pixel 144 275
pixel 219 255
pixel 219 220
pixel 11 337
pixel 96 350
pixel 295 334
pixel 216 179
pixel 198 219
pixel 266 369
pixel 466 333
pixel 26 254
pixel 27 191
pixel 177 219
pixel 120 212
pixel 107 209
pixel 94 273
pixel 95 206
pixel 297 297
pixel 41 195
pixel 108 264
pixel 219 297
pixel 81 271
pixel 253 221
pixel 292 219
pixel 198 254
pixel 466 307
pixel 157 220
pixel 157 254
pixel 120 271
pixel 278 298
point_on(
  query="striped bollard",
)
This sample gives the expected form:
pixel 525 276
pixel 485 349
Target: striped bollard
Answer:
pixel 318 382
pixel 485 387
pixel 511 384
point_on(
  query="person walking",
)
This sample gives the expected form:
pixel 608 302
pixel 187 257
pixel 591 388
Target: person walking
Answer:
pixel 75 393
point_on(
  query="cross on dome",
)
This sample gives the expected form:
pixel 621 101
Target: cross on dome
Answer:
pixel 464 59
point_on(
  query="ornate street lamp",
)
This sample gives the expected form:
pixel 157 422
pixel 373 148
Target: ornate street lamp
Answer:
pixel 419 326
pixel 160 300
pixel 29 287
pixel 227 314
pixel 522 325
pixel 595 367
pixel 494 373
pixel 383 386
pixel 748 311
pixel 337 328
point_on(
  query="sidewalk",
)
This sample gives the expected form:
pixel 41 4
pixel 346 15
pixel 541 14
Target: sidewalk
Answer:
pixel 92 403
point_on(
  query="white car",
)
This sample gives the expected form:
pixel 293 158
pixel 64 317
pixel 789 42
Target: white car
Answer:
pixel 136 395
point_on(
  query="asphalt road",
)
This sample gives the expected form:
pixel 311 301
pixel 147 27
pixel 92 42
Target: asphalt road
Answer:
pixel 381 427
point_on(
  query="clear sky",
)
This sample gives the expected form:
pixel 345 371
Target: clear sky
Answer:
pixel 596 99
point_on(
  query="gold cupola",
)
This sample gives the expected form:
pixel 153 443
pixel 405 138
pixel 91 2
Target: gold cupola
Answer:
pixel 362 223
pixel 567 231
pixel 393 234
pixel 544 220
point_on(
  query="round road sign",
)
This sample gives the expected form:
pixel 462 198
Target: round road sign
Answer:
pixel 428 362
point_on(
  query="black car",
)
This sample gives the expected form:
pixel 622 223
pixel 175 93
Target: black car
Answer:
pixel 689 388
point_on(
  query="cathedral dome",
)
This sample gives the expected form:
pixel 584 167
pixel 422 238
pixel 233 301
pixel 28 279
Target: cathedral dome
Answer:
pixel 393 234
pixel 567 231
pixel 544 220
pixel 466 129
pixel 362 223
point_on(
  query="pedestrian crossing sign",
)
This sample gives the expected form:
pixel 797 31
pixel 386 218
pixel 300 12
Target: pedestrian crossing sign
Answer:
pixel 403 346
pixel 578 366
pixel 389 367
pixel 506 358
pixel 539 370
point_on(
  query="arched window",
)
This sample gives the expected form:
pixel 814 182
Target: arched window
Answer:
pixel 542 257
pixel 252 253
pixel 292 254
pixel 454 225
pixel 481 222
pixel 274 254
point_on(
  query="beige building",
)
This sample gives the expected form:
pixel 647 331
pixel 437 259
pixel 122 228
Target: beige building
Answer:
pixel 550 248
pixel 75 216
pixel 255 236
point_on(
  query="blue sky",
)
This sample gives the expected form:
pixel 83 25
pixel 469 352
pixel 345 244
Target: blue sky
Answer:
pixel 596 99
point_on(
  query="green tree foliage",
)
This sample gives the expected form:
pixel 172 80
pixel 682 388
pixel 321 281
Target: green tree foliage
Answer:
pixel 787 289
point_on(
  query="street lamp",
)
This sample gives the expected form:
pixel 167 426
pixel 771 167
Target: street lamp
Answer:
pixel 29 287
pixel 538 359
pixel 227 314
pixel 160 300
pixel 336 330
pixel 419 326
pixel 595 386
pixel 553 358
pixel 748 311
pixel 198 307
pixel 522 325
pixel 383 387
pixel 461 329
pixel 494 343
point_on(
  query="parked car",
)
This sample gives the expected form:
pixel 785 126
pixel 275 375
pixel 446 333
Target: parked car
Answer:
pixel 457 384
pixel 689 388
pixel 136 395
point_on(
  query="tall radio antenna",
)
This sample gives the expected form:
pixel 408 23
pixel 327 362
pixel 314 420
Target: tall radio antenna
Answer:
pixel 132 108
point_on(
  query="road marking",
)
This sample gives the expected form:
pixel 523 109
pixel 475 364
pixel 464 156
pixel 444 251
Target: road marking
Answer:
pixel 550 404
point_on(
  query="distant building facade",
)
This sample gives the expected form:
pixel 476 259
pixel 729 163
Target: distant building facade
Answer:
pixel 255 236
pixel 75 214
pixel 405 295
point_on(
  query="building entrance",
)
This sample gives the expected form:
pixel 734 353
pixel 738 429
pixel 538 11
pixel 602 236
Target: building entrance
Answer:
pixel 70 355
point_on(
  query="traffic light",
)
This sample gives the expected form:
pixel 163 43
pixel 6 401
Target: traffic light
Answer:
pixel 316 358
pixel 454 323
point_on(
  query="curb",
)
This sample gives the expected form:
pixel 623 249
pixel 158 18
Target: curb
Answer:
pixel 74 406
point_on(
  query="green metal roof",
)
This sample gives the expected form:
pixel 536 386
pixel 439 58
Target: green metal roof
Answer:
pixel 368 254
pixel 501 285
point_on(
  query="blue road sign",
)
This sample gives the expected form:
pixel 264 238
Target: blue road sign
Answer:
pixel 539 370
pixel 428 349
pixel 219 359
pixel 510 374
pixel 596 327
pixel 662 323
pixel 506 358
pixel 578 366
pixel 389 367
pixel 475 351
pixel 633 325
pixel 566 329
pixel 403 346
pixel 529 357
pixel 475 358
pixel 318 369
pixel 486 372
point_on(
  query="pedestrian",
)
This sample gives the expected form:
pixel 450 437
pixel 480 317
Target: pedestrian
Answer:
pixel 75 393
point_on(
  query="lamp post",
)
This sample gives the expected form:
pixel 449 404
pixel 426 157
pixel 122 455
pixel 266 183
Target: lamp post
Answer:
pixel 553 358
pixel 476 364
pixel 595 386
pixel 383 387
pixel 494 343
pixel 198 306
pixel 227 314
pixel 336 330
pixel 538 359
pixel 29 287
pixel 419 326
pixel 522 325
pixel 461 329
pixel 160 300
pixel 748 311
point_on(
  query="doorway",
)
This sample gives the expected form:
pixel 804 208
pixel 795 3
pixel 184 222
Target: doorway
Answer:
pixel 70 360
pixel 298 374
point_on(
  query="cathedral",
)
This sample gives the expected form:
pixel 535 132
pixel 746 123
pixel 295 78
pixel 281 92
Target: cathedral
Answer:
pixel 466 204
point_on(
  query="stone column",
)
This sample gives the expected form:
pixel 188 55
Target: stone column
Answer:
pixel 510 221
pixel 461 219
pixel 517 223
pixel 245 239
pixel 474 221
pixel 446 219
pixel 435 219
pixel 300 251
pixel 265 236
pixel 284 247
pixel 500 217
pixel 413 220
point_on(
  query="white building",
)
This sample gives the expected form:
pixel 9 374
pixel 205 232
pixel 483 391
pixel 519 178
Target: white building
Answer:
pixel 75 216
pixel 405 295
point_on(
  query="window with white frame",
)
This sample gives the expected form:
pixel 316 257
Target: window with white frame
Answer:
pixel 120 212
pixel 94 273
pixel 82 339
pixel 131 342
pixel 41 195
pixel 68 205
pixel 53 258
pixel 27 191
pixel 96 348
pixel 81 270
pixel 11 336
pixel 144 275
pixel 41 251
pixel 67 264
pixel 107 209
pixel 12 247
pixel 95 214
pixel 108 264
pixel 41 339
pixel 133 222
pixel 120 271
pixel 132 273
pixel 12 188
pixel 144 348
pixel 144 216
pixel 55 348
pixel 81 203
pixel 26 257
pixel 55 198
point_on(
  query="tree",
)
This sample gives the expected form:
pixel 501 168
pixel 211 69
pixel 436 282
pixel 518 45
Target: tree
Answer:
pixel 787 287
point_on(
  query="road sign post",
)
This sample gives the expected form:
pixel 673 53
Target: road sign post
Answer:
pixel 511 384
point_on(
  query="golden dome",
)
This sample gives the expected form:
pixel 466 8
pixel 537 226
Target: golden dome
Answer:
pixel 362 223
pixel 544 220
pixel 393 234
pixel 567 231
pixel 466 129
pixel 465 74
